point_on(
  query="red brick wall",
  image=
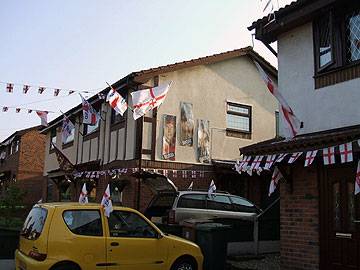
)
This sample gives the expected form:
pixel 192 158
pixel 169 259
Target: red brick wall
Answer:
pixel 31 165
pixel 299 220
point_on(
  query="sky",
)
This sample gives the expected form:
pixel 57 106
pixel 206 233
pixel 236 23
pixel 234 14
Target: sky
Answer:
pixel 82 44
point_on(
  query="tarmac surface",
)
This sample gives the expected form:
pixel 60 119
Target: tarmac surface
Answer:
pixel 7 265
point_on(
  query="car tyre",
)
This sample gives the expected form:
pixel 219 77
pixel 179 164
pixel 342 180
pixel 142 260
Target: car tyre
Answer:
pixel 183 264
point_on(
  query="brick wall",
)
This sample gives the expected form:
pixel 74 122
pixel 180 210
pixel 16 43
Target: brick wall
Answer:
pixel 31 165
pixel 299 220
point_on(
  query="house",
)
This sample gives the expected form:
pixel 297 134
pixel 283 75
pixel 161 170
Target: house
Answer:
pixel 22 163
pixel 319 76
pixel 215 104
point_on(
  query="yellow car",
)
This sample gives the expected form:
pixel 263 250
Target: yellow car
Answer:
pixel 71 236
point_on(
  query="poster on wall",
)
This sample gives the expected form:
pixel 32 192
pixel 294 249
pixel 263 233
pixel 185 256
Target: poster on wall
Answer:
pixel 186 124
pixel 203 141
pixel 169 137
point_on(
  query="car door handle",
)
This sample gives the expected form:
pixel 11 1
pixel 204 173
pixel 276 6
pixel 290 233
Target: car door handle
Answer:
pixel 114 244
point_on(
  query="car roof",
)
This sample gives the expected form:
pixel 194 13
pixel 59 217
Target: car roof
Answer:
pixel 75 205
pixel 202 192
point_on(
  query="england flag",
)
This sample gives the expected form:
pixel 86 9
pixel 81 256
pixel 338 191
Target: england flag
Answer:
pixel 90 116
pixel 83 198
pixel 106 202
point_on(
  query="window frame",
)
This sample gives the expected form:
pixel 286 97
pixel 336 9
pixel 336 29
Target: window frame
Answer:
pixel 338 17
pixel 248 115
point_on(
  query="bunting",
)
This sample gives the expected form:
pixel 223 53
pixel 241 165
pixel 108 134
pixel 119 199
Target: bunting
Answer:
pixel 329 155
pixel 346 152
pixel 274 180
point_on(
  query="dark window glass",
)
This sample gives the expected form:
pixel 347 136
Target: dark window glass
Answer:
pixel 238 117
pixel 192 201
pixel 129 224
pixel 34 223
pixel 52 138
pixel 242 205
pixel 83 222
pixel 325 41
pixel 219 202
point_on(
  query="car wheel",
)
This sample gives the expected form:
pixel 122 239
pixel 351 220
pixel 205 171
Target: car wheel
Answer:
pixel 183 264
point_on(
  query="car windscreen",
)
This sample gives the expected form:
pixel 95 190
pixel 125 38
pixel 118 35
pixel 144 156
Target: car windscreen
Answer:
pixel 160 204
pixel 34 223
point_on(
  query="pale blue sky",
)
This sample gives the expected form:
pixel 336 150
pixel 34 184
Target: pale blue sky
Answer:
pixel 81 44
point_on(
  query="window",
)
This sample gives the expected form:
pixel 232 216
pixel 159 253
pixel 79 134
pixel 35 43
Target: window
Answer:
pixel 242 205
pixel 238 117
pixel 91 128
pixel 34 223
pixel 14 146
pixel 192 201
pixel 337 38
pixel 83 222
pixel 52 138
pixel 116 117
pixel 219 202
pixel 129 224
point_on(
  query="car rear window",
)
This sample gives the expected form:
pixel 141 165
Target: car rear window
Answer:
pixel 34 223
pixel 219 202
pixel 164 201
pixel 192 201
pixel 84 222
pixel 242 205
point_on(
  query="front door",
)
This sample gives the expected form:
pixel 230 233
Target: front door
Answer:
pixel 340 215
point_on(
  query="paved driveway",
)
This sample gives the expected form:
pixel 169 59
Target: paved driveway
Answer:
pixel 7 265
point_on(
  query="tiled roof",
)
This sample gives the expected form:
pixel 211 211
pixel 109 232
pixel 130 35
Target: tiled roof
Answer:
pixel 310 141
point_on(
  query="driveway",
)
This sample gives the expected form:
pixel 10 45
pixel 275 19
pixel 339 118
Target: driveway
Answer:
pixel 7 265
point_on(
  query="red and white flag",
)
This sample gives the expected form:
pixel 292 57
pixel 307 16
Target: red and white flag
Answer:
pixel 26 88
pixel 329 155
pixel 5 109
pixel 43 117
pixel 10 87
pixel 294 157
pixel 106 202
pixel 275 180
pixel 71 92
pixel 357 179
pixel 148 99
pixel 30 110
pixel 83 198
pixel 256 163
pixel 41 90
pixel 67 129
pixel 293 123
pixel 310 156
pixel 56 92
pixel 90 116
pixel 269 161
pixel 346 153
pixel 116 101
pixel 280 158
pixel 212 188
pixel 17 110
pixel 244 163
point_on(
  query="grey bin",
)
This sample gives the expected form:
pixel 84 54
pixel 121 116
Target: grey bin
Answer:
pixel 212 239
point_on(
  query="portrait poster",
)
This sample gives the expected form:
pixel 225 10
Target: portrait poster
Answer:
pixel 203 141
pixel 169 137
pixel 187 124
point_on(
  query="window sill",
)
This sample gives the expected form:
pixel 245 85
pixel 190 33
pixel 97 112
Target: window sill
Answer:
pixel 118 125
pixel 338 75
pixel 91 135
pixel 68 144
pixel 238 134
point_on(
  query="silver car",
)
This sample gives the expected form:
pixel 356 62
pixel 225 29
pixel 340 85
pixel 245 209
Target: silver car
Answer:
pixel 170 206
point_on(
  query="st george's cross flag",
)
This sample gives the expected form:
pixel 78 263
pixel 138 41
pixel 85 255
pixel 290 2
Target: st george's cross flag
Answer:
pixel 270 159
pixel 275 180
pixel 90 116
pixel 256 163
pixel 280 158
pixel 191 185
pixel 212 188
pixel 116 101
pixel 310 156
pixel 294 157
pixel 43 117
pixel 329 155
pixel 83 198
pixel 292 122
pixel 148 99
pixel 106 202
pixel 346 153
pixel 357 180
pixel 67 129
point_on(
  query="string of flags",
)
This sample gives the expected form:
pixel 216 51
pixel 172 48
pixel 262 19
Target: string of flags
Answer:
pixel 257 164
pixel 26 88
pixel 128 171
